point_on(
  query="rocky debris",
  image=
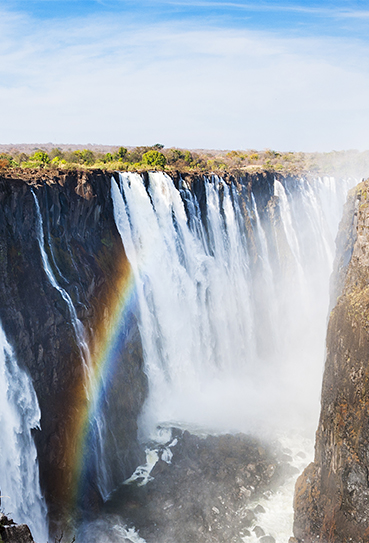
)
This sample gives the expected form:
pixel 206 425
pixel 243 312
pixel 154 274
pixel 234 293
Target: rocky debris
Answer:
pixel 258 531
pixel 14 533
pixel 332 495
pixel 206 493
pixel 259 509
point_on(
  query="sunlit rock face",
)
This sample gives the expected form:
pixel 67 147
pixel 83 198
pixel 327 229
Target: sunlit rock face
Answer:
pixel 332 495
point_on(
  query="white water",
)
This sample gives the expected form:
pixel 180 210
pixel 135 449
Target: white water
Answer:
pixel 21 496
pixel 232 343
pixel 228 345
pixel 76 323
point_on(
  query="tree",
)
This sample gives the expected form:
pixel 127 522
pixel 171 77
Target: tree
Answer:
pixel 40 156
pixel 121 153
pixel 154 158
pixel 84 157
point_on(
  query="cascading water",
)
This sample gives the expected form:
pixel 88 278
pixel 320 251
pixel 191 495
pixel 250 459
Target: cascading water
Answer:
pixel 233 294
pixel 97 458
pixel 19 414
pixel 76 323
pixel 233 298
pixel 232 318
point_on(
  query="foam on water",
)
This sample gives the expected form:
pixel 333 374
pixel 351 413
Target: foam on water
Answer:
pixel 20 491
pixel 230 344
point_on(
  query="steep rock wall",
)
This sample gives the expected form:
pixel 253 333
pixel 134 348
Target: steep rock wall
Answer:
pixel 88 259
pixel 332 495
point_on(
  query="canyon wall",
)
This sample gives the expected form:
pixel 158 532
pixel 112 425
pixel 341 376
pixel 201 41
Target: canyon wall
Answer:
pixel 332 495
pixel 86 254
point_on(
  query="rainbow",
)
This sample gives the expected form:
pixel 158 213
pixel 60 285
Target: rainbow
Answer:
pixel 109 339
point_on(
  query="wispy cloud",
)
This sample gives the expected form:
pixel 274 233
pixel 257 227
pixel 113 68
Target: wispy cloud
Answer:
pixel 271 7
pixel 110 80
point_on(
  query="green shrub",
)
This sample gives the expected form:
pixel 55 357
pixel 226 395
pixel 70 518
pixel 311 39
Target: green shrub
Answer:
pixel 41 157
pixel 154 158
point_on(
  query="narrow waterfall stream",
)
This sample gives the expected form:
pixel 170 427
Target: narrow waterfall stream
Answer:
pixel 19 478
pixel 233 299
pixel 97 424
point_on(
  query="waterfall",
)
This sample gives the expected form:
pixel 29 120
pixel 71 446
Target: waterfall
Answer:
pixel 97 461
pixel 233 298
pixel 76 323
pixel 21 496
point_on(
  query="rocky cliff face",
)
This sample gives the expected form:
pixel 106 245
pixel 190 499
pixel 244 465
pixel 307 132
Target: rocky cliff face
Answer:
pixel 88 259
pixel 332 495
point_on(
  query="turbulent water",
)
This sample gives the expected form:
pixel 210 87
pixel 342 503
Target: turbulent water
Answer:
pixel 19 413
pixel 233 298
pixel 233 301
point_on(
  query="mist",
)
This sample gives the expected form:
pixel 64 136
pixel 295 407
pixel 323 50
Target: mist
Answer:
pixel 233 297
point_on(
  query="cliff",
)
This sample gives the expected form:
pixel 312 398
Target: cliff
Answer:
pixel 88 258
pixel 332 495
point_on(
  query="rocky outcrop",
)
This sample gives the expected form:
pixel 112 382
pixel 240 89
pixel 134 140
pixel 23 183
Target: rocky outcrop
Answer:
pixel 203 490
pixel 332 495
pixel 14 533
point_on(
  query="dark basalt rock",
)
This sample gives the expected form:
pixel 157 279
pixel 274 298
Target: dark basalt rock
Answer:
pixel 332 495
pixel 88 260
pixel 205 493
pixel 14 533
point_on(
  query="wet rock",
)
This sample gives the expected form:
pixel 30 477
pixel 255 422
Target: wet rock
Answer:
pixel 259 509
pixel 14 533
pixel 258 531
pixel 267 539
pixel 201 502
pixel 17 534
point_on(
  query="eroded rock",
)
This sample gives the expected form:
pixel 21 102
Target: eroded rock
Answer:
pixel 14 533
pixel 332 495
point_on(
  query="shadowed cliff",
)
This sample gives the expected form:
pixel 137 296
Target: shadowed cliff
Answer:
pixel 88 260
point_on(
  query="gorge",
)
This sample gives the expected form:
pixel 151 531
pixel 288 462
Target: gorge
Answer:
pixel 171 331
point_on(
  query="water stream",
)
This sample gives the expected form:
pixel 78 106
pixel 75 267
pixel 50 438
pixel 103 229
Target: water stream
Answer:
pixel 21 497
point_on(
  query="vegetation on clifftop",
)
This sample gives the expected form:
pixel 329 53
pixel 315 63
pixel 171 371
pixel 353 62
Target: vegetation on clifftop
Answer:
pixel 343 163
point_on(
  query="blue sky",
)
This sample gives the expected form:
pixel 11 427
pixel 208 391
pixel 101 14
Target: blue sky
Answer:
pixel 285 75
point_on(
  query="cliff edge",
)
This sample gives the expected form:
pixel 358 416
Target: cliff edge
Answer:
pixel 332 494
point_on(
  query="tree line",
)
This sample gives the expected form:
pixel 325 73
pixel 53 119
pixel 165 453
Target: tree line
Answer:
pixel 156 157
